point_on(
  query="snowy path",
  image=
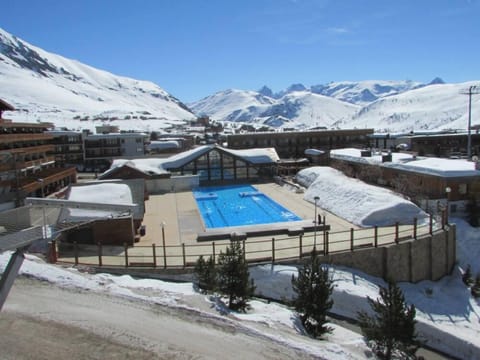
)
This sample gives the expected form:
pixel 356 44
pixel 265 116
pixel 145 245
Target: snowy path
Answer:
pixel 43 321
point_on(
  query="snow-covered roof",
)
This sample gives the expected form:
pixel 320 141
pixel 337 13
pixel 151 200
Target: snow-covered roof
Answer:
pixel 314 152
pixel 408 162
pixel 256 156
pixel 356 201
pixel 157 166
pixel 101 193
pixel 162 145
pixel 152 166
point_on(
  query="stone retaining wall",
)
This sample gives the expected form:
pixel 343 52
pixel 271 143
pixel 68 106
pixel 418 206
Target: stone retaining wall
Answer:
pixel 429 257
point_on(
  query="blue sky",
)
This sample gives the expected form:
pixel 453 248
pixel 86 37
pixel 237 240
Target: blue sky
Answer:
pixel 193 48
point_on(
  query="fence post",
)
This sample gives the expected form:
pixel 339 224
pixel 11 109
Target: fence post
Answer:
pixel 53 252
pixel 324 241
pixel 213 251
pixel 326 238
pixel 154 253
pixel 164 255
pixel 99 254
pixel 443 219
pixel 300 238
pixel 273 250
pixel 126 254
pixel 375 235
pixel 75 252
pixel 430 224
pixel 184 256
pixel 415 228
pixel 396 232
pixel 351 239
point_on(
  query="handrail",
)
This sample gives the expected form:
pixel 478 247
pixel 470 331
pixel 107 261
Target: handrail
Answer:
pixel 255 250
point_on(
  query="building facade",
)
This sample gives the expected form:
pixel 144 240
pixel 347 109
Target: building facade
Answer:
pixel 292 144
pixel 68 147
pixel 27 163
pixel 101 149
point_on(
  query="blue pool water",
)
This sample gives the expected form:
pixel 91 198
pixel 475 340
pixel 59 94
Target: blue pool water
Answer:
pixel 237 205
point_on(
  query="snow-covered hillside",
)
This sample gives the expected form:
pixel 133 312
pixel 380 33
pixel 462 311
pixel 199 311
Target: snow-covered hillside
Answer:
pixel 386 106
pixel 364 92
pixel 46 87
pixel 433 107
pixel 295 109
pixel 233 105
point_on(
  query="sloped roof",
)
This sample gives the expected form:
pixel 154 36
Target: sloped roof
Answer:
pixel 4 106
pixel 114 169
pixel 255 156
pixel 158 166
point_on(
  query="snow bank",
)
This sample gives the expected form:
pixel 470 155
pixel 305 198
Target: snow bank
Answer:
pixel 359 203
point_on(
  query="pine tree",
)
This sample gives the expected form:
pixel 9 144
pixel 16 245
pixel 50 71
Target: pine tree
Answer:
pixel 314 288
pixel 205 274
pixel 391 331
pixel 467 276
pixel 233 277
pixel 475 290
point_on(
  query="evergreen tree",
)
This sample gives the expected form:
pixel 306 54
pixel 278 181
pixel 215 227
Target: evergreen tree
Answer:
pixel 475 290
pixel 205 274
pixel 233 278
pixel 467 276
pixel 314 288
pixel 391 331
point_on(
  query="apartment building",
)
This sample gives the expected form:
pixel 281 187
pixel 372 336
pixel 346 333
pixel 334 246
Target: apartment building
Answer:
pixel 292 144
pixel 101 149
pixel 27 161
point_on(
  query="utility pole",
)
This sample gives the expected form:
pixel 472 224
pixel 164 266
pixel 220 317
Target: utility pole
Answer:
pixel 472 90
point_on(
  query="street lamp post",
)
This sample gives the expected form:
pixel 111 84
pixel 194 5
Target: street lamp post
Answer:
pixel 163 245
pixel 472 90
pixel 44 227
pixel 316 198
pixel 447 210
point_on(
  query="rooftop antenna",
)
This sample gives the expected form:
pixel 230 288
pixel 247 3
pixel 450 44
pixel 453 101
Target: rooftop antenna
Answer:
pixel 472 90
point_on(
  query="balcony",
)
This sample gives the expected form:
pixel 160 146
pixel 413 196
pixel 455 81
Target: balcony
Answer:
pixel 12 138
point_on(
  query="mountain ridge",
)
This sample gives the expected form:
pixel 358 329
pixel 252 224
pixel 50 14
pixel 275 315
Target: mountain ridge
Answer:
pixel 51 88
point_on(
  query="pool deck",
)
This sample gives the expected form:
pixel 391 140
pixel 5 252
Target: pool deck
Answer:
pixel 183 223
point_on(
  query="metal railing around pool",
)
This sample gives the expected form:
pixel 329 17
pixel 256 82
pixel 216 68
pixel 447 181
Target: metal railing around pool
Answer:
pixel 256 250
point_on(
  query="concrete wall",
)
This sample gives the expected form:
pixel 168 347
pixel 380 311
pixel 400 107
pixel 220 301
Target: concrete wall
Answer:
pixel 426 258
pixel 175 183
pixel 114 232
pixel 15 219
pixel 107 232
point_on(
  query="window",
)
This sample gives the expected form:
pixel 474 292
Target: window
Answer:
pixel 462 189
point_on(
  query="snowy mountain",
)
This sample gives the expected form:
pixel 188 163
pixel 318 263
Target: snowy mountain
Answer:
pixel 294 109
pixel 233 105
pixel 364 92
pixel 432 107
pixel 46 87
pixel 394 106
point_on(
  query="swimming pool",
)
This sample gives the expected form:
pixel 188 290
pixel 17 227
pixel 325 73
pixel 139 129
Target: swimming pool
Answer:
pixel 238 205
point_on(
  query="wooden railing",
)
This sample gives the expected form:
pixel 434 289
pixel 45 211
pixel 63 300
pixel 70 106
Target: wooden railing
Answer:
pixel 260 250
